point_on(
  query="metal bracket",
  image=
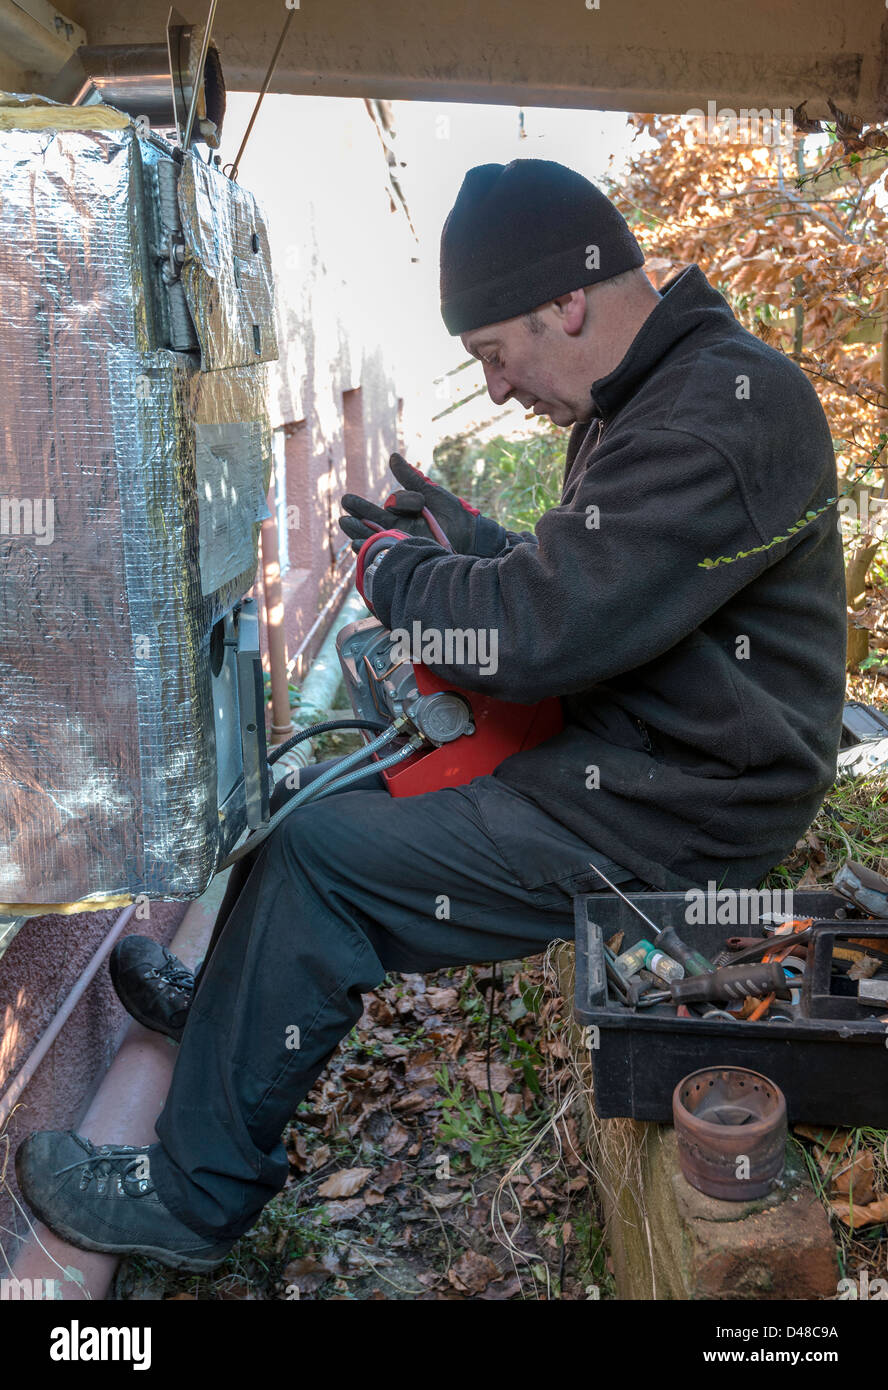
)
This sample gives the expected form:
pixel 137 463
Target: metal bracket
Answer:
pixel 251 709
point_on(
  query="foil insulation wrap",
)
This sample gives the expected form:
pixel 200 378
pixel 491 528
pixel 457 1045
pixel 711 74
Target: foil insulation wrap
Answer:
pixel 134 478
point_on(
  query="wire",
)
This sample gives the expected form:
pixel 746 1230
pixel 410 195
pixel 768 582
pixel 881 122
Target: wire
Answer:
pixel 437 532
pixel 268 76
pixel 311 730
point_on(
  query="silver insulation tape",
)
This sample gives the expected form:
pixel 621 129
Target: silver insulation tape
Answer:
pixel 227 273
pixel 110 580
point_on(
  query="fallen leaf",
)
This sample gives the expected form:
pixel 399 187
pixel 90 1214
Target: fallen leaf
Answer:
pixel 345 1211
pixel 423 1075
pixel 503 1290
pixel 501 1076
pixel 354 1072
pixel 386 1178
pixel 332 1261
pixel 443 998
pixel 809 878
pixel 472 1272
pixel 854 1177
pixel 412 1102
pixel 835 1140
pixel 297 1151
pixel 380 1012
pixel 856 1216
pixel 442 1200
pixel 306 1275
pixel 395 1140
pixel 344 1183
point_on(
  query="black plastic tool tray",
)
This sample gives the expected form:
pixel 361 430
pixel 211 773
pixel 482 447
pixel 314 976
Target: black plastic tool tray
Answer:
pixel 832 1071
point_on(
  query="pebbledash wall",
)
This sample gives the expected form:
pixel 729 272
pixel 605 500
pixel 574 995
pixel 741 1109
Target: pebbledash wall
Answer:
pixel 340 403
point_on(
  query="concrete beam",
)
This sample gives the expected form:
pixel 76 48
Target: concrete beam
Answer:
pixel 35 42
pixel 650 58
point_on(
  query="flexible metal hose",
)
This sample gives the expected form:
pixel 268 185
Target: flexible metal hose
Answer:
pixel 310 791
pixel 341 782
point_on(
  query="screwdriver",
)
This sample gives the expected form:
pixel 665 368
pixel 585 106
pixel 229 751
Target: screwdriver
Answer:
pixel 666 939
pixel 730 982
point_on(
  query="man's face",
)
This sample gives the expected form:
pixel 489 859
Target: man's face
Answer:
pixel 550 360
pixel 533 368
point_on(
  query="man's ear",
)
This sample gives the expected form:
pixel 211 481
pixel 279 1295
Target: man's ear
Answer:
pixel 571 310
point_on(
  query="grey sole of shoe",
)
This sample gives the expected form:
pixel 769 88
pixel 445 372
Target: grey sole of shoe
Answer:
pixel 137 1014
pixel 171 1258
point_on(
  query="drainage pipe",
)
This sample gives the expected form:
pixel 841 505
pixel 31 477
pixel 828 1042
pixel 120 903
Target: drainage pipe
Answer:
pixel 122 1111
pixel 24 1074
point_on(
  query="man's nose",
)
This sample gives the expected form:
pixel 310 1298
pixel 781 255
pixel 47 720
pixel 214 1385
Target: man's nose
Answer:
pixel 499 388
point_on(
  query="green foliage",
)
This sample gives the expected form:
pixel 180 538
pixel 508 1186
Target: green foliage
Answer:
pixel 592 1253
pixel 512 480
pixel 479 1123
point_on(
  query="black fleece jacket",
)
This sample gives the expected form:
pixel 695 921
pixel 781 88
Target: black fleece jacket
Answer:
pixel 685 600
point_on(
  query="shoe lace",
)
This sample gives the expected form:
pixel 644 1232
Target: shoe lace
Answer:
pixel 108 1161
pixel 175 974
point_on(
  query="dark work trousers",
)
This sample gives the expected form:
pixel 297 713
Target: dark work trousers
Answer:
pixel 343 891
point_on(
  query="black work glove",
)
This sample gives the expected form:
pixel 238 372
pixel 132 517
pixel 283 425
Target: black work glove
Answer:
pixel 456 518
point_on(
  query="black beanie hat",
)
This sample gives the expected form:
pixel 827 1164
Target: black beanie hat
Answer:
pixel 521 234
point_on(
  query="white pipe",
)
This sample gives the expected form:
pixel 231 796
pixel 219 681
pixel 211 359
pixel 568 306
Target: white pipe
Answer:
pixel 318 690
pixel 320 685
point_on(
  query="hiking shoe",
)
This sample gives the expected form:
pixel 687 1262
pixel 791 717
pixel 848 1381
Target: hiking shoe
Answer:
pixel 104 1199
pixel 152 984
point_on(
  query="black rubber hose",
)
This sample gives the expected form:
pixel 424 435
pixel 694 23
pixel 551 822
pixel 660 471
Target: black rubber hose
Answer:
pixel 314 729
